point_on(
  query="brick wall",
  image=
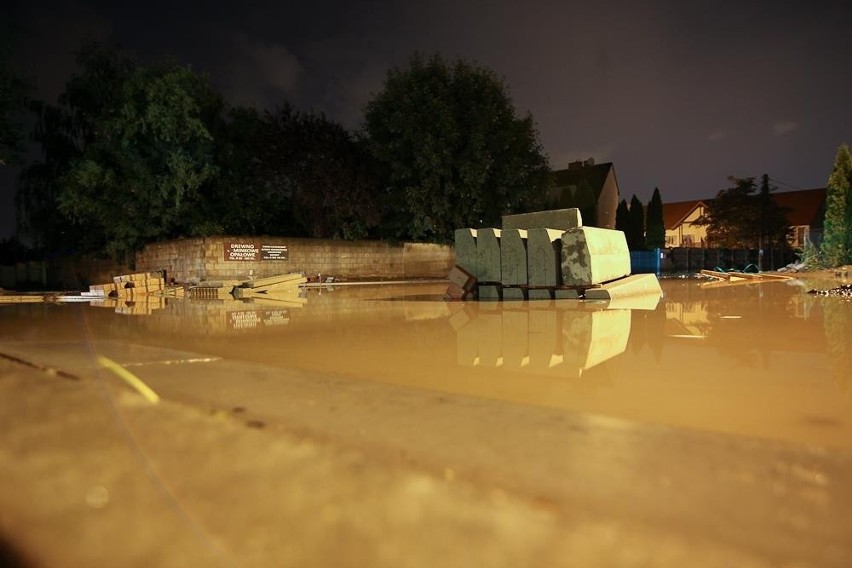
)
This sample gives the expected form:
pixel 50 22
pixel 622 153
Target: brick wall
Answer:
pixel 203 259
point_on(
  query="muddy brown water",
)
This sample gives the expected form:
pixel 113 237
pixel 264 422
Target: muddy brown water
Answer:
pixel 764 360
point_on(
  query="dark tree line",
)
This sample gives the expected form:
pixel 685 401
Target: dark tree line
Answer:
pixel 138 153
pixel 643 227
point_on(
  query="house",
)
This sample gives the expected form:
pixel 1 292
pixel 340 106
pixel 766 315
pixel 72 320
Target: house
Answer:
pixel 681 222
pixel 592 188
pixel 805 214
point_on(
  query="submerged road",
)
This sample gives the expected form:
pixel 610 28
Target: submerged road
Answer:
pixel 250 463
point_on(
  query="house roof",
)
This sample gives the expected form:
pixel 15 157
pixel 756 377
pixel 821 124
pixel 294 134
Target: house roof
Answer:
pixel 675 213
pixel 595 175
pixel 805 207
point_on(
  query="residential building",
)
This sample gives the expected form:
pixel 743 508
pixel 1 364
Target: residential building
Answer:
pixel 681 221
pixel 592 188
pixel 805 211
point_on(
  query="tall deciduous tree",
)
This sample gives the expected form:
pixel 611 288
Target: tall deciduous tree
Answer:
pixel 139 179
pixel 738 217
pixel 636 234
pixel 655 228
pixel 454 150
pixel 836 248
pixel 13 100
pixel 314 173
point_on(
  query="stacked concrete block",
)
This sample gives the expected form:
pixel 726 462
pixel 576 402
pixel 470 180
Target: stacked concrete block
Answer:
pixel 591 255
pixel 488 263
pixel 513 258
pixel 562 219
pixel 543 262
pixel 635 285
pixel 465 247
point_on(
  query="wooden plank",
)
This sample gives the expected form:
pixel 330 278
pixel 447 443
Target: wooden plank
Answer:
pixel 272 280
pixel 20 299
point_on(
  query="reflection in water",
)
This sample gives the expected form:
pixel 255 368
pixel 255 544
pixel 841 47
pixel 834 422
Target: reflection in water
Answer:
pixel 764 360
pixel 540 338
pixel 837 319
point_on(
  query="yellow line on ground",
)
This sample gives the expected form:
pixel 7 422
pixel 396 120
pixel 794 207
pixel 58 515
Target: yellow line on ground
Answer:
pixel 130 379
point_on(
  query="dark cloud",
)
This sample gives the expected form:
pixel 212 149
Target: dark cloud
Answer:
pixel 678 94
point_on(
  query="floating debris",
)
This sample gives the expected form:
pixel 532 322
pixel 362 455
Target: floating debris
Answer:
pixel 844 291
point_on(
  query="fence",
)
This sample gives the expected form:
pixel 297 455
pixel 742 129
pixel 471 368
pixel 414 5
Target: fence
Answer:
pixel 680 260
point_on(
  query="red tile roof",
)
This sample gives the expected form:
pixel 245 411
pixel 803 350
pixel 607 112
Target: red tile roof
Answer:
pixel 806 206
pixel 675 213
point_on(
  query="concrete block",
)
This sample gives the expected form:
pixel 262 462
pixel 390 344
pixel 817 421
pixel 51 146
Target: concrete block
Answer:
pixel 590 338
pixel 637 285
pixel 461 278
pixel 514 293
pixel 544 257
pixel 591 255
pixel 562 219
pixel 488 268
pixel 465 249
pixel 513 257
pixel 490 292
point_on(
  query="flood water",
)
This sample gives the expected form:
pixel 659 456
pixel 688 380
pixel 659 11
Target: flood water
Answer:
pixel 764 360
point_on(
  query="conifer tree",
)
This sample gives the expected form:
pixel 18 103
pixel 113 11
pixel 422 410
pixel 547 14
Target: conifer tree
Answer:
pixel 655 228
pixel 836 248
pixel 636 235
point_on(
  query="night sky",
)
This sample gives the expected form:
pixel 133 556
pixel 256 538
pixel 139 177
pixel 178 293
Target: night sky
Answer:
pixel 678 94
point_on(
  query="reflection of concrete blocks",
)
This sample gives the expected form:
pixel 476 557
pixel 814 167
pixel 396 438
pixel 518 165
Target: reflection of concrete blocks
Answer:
pixel 562 219
pixel 513 257
pixel 636 285
pixel 490 339
pixel 591 255
pixel 590 338
pixel 544 349
pixel 488 267
pixel 465 248
pixel 515 338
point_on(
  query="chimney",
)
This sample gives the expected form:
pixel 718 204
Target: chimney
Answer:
pixel 590 162
pixel 575 165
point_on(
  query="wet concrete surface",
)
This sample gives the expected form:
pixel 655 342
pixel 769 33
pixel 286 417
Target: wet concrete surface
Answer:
pixel 381 425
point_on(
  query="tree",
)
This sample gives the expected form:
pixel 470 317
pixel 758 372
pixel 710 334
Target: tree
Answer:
pixel 64 132
pixel 313 168
pixel 622 217
pixel 836 248
pixel 655 228
pixel 739 218
pixel 636 233
pixel 144 149
pixel 453 150
pixel 13 102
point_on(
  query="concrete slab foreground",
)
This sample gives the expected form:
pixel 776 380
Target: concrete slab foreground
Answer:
pixel 645 285
pixel 591 255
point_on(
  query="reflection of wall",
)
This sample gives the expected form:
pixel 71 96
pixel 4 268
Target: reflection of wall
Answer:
pixel 553 341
